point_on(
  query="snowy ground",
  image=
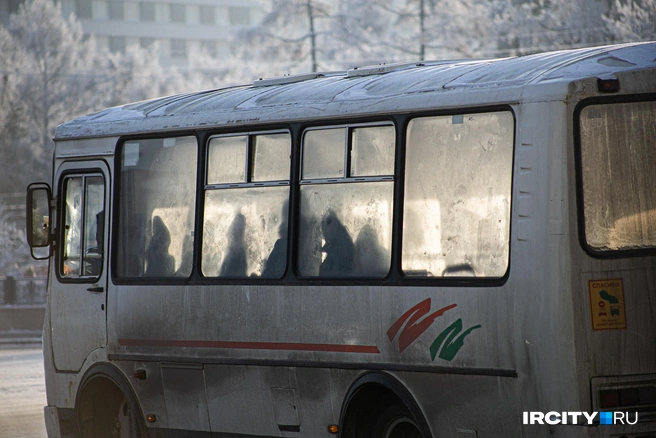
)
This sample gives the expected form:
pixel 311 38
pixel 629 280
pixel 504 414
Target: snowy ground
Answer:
pixel 22 393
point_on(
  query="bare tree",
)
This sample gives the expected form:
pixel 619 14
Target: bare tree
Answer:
pixel 290 35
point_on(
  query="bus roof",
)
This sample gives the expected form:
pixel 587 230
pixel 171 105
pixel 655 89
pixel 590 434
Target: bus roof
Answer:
pixel 366 91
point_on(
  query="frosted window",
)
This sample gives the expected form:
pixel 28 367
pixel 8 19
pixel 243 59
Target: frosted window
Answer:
pixel 157 203
pixel 346 229
pixel 84 219
pixel 618 157
pixel 346 225
pixel 245 232
pixel 323 153
pixel 272 157
pixel 72 227
pixel 227 160
pixel 372 151
pixel 456 214
pixel 245 223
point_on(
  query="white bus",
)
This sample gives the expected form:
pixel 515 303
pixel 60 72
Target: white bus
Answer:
pixel 444 249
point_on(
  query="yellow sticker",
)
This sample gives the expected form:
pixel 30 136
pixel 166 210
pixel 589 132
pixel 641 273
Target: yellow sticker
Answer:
pixel 607 304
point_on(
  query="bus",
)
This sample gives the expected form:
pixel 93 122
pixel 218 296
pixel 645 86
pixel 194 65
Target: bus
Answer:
pixel 437 249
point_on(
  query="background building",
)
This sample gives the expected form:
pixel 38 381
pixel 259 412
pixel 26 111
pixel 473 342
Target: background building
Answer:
pixel 178 27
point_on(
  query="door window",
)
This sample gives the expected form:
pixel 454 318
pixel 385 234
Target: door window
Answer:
pixel 84 220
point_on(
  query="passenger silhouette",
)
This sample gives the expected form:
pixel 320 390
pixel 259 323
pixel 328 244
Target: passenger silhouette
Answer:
pixel 275 264
pixel 159 263
pixel 186 259
pixel 235 263
pixel 338 247
pixel 371 259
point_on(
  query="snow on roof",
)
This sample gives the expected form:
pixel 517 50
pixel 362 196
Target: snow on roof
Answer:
pixel 364 91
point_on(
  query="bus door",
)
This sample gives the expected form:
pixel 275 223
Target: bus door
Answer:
pixel 79 290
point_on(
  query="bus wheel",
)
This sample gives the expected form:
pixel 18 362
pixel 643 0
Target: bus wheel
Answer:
pixel 395 422
pixel 127 423
pixel 104 411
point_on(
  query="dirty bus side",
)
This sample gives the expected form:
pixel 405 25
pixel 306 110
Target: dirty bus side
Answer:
pixel 442 249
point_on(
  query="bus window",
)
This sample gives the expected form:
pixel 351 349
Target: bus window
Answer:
pixel 82 251
pixel 246 206
pixel 457 195
pixel 373 151
pixel 271 157
pixel 346 222
pixel 156 208
pixel 230 152
pixel 323 154
pixel 618 157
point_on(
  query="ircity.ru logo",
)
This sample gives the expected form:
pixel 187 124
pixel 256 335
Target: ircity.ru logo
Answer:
pixel 579 417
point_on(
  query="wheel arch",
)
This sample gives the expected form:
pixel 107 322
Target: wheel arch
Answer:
pixel 103 375
pixel 375 385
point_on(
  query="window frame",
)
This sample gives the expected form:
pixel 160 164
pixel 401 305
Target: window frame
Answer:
pixel 248 161
pixel 59 232
pixel 248 183
pixel 455 280
pixel 116 207
pixel 348 147
pixel 578 158
pixel 296 129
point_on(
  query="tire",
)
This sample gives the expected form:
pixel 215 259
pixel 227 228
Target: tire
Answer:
pixel 127 422
pixel 104 411
pixel 395 421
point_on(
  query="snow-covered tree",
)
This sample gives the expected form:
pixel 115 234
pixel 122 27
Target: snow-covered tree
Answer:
pixel 51 73
pixel 631 20
pixel 131 76
pixel 14 252
pixel 530 26
pixel 56 74
pixel 292 34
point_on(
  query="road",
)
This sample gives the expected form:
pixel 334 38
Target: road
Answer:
pixel 22 393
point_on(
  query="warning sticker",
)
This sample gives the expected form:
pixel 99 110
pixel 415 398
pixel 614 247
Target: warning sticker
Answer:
pixel 607 304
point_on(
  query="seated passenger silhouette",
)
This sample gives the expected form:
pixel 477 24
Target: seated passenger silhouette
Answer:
pixel 235 263
pixel 274 266
pixel 371 259
pixel 159 263
pixel 338 247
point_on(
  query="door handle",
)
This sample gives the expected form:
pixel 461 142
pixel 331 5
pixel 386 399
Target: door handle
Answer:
pixel 96 289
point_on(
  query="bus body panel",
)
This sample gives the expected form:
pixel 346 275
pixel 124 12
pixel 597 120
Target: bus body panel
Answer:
pixel 78 318
pixel 272 359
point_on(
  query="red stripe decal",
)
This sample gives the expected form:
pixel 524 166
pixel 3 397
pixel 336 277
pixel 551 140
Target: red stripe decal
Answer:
pixel 340 348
